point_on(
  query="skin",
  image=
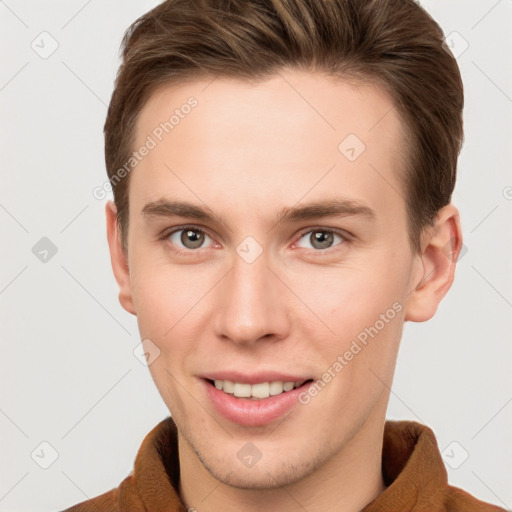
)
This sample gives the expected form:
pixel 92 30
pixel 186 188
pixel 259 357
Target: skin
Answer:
pixel 247 151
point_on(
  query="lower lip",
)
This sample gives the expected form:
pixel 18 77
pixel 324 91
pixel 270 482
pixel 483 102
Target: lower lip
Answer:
pixel 253 413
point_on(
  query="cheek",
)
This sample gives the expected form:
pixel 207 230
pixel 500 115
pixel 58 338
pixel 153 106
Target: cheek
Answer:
pixel 164 294
pixel 348 300
pixel 164 303
pixel 359 359
pixel 363 309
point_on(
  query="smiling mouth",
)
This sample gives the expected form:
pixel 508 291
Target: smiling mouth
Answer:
pixel 258 391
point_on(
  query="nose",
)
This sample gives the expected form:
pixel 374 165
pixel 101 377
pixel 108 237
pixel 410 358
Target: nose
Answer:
pixel 251 304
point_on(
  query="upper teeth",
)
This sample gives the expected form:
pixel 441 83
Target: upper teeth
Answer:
pixel 259 390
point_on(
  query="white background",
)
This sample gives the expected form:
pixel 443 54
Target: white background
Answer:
pixel 68 374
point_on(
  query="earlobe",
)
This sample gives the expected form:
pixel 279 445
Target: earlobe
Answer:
pixel 436 264
pixel 118 258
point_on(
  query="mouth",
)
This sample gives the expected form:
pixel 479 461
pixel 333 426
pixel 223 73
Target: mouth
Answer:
pixel 253 404
pixel 257 391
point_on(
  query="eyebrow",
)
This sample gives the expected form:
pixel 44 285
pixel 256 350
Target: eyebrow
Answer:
pixel 314 210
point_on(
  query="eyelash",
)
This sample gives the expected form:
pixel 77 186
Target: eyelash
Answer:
pixel 187 252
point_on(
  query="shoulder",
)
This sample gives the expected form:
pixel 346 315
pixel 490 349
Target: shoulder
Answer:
pixel 456 499
pixel 110 501
pixel 104 503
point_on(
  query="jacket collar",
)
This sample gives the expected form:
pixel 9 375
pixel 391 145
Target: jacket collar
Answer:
pixel 412 468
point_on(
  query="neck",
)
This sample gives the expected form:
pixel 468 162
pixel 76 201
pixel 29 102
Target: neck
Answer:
pixel 348 481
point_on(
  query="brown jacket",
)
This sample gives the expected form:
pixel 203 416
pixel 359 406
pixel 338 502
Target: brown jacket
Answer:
pixel 412 467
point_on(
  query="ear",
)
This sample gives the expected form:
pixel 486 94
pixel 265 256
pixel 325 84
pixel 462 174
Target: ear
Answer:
pixel 118 258
pixel 440 248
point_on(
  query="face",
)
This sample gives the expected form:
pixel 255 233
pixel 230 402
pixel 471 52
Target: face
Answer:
pixel 290 263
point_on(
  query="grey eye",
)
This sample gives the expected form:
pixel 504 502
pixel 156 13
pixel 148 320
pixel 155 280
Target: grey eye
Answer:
pixel 320 238
pixel 189 238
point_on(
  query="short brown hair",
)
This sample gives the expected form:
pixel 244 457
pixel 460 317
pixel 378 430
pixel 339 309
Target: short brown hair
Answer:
pixel 394 43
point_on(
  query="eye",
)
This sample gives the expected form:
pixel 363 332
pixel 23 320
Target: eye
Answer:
pixel 321 239
pixel 187 237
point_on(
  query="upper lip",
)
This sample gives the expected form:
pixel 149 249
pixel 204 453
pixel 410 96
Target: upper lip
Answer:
pixel 253 378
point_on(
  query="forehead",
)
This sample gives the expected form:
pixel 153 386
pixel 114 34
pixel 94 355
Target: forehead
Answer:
pixel 266 139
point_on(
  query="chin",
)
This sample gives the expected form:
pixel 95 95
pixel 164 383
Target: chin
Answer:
pixel 261 478
pixel 267 473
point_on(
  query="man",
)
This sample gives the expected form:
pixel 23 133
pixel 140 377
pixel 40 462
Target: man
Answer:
pixel 282 176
